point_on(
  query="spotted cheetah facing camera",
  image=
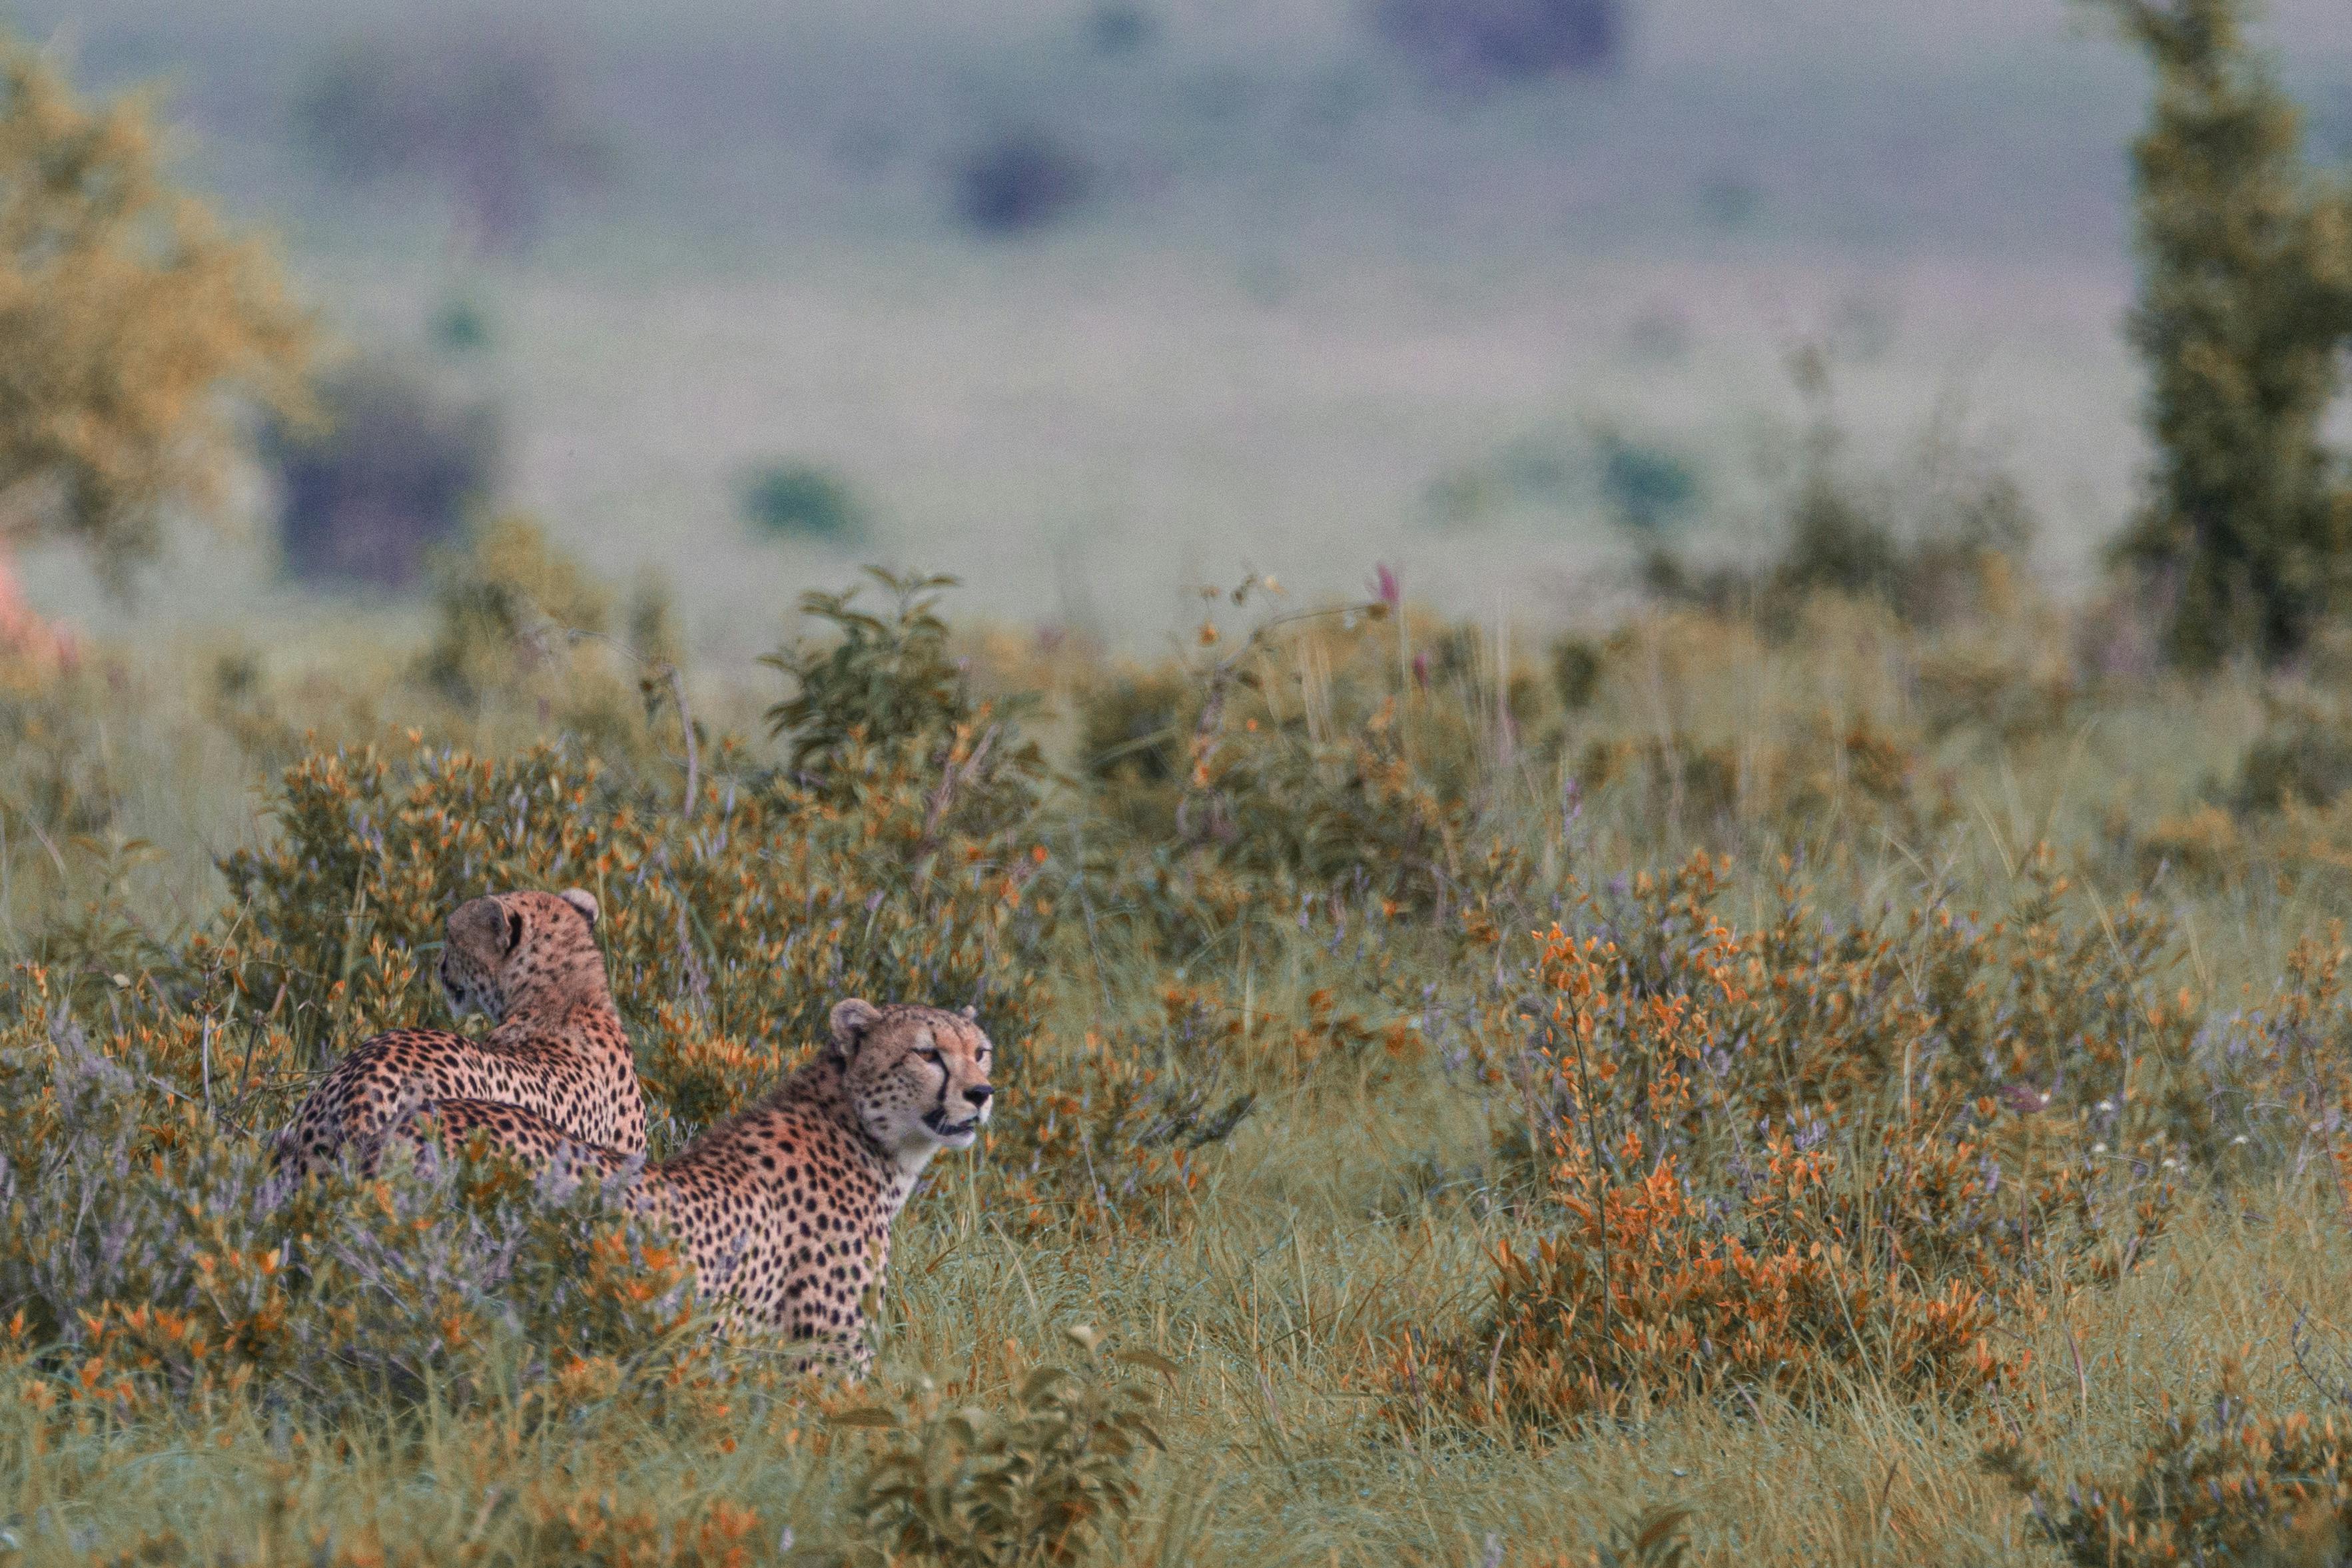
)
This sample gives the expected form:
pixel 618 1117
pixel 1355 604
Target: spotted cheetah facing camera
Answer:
pixel 785 1208
pixel 529 963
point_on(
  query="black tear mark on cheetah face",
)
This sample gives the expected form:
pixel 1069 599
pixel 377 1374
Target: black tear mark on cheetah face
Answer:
pixel 505 950
pixel 917 1077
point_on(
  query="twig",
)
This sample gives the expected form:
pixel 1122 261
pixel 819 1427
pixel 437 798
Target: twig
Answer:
pixel 686 725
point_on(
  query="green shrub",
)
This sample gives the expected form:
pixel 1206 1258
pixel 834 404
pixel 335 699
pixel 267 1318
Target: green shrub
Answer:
pixel 507 606
pixel 888 681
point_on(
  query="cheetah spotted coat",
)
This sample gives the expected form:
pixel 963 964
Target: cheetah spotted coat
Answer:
pixel 785 1209
pixel 528 961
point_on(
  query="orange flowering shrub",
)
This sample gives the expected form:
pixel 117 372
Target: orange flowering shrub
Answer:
pixel 742 923
pixel 2224 1485
pixel 1100 1136
pixel 146 1261
pixel 1809 1154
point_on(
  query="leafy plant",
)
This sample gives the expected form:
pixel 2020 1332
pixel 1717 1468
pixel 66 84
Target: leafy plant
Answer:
pixel 888 681
pixel 1050 1480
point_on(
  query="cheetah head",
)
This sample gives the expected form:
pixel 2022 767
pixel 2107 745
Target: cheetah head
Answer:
pixel 917 1076
pixel 505 950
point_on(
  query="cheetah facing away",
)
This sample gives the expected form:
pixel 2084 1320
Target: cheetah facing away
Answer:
pixel 785 1208
pixel 529 963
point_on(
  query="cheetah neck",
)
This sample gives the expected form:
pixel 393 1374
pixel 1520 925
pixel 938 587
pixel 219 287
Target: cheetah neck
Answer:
pixel 557 1015
pixel 823 1088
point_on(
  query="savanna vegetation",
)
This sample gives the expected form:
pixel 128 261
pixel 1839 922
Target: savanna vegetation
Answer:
pixel 1842 1057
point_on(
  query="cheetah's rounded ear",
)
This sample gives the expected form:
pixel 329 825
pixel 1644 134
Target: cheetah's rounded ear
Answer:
pixel 583 900
pixel 851 1018
pixel 968 1013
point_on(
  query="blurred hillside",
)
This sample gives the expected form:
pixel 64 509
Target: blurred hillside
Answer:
pixel 1299 295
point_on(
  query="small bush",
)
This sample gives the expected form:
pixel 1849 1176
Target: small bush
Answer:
pixel 1931 537
pixel 1808 1155
pixel 1103 1134
pixel 888 682
pixel 803 500
pixel 397 471
pixel 1021 180
pixel 507 605
pixel 2301 758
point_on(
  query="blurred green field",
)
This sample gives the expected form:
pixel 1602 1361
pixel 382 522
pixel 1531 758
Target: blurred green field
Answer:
pixel 1267 343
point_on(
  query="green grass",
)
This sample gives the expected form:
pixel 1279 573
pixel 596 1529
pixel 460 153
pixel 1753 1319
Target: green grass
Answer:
pixel 1357 1205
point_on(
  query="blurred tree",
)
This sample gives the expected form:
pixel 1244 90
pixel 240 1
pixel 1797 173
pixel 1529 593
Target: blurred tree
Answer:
pixel 403 465
pixel 126 319
pixel 2245 300
pixel 1478 46
pixel 495 120
pixel 1019 179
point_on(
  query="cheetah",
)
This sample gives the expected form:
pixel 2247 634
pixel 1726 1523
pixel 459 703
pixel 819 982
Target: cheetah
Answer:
pixel 785 1208
pixel 529 963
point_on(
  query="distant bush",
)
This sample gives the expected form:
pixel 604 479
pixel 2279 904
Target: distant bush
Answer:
pixel 495 118
pixel 1646 486
pixel 1119 28
pixel 2301 758
pixel 1019 180
pixel 1928 539
pixel 1481 45
pixel 1640 484
pixel 802 500
pixel 397 471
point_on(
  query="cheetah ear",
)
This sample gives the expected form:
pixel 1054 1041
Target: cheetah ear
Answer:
pixel 851 1019
pixel 583 900
pixel 968 1012
pixel 514 930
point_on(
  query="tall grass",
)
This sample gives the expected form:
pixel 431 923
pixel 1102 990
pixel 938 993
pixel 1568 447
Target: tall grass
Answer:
pixel 1283 1000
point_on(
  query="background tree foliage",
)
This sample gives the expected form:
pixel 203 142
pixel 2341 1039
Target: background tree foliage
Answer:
pixel 2245 299
pixel 126 312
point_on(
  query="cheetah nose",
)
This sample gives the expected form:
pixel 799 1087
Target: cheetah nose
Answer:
pixel 979 1097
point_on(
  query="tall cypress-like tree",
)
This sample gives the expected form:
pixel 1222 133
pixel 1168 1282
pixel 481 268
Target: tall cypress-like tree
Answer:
pixel 2245 299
